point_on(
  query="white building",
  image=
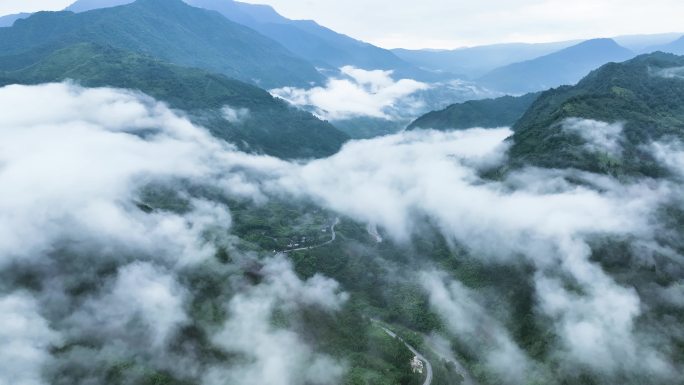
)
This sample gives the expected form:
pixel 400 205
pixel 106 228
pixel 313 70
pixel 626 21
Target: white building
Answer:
pixel 417 365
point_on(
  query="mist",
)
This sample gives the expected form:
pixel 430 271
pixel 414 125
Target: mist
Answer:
pixel 357 93
pixel 118 276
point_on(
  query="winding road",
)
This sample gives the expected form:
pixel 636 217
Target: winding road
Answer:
pixel 332 239
pixel 428 365
pixel 467 379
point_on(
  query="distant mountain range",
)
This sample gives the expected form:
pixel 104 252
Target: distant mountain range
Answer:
pixel 647 43
pixel 676 47
pixel 566 66
pixel 166 48
pixel 305 38
pixel 476 61
pixel 500 67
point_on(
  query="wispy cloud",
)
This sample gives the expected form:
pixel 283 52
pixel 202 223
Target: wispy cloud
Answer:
pixel 72 175
pixel 359 93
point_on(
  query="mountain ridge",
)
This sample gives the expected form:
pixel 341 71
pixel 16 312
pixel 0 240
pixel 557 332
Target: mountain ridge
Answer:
pixel 174 32
pixel 305 38
pixel 270 125
pixel 486 113
pixel 566 66
pixel 637 95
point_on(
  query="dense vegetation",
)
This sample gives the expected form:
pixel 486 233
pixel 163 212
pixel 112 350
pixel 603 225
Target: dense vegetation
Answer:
pixel 169 30
pixel 635 93
pixel 566 66
pixel 270 126
pixel 489 113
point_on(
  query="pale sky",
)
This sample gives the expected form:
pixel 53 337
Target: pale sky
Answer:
pixel 454 23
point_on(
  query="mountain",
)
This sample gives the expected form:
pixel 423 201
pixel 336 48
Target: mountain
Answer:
pixel 676 47
pixel 643 94
pixel 489 113
pixel 645 43
pixel 89 5
pixel 476 61
pixel 313 42
pixel 172 31
pixel 566 66
pixel 266 125
pixel 305 38
pixel 8 20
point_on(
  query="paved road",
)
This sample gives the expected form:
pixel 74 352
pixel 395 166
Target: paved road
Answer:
pixel 332 239
pixel 428 366
pixel 467 378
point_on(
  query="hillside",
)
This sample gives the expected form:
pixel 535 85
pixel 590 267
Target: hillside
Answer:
pixel 564 67
pixel 270 125
pixel 488 113
pixel 313 42
pixel 636 93
pixel 172 31
pixel 305 38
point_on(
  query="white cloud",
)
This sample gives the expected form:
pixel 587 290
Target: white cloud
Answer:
pixel 141 293
pixel 25 337
pixel 73 169
pixel 235 115
pixel 71 172
pixel 276 356
pixel 671 154
pixel 109 271
pixel 394 180
pixel 599 136
pixel 468 320
pixel 360 93
pixel 671 73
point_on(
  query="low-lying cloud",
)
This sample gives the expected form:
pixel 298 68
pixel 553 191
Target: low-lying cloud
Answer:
pixel 73 174
pixel 671 73
pixel 107 276
pixel 600 137
pixel 277 356
pixel 359 93
pixel 467 319
pixel 235 115
pixel 25 338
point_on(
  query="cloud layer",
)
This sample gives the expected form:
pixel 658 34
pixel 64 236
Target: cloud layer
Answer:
pixel 115 277
pixel 108 278
pixel 358 93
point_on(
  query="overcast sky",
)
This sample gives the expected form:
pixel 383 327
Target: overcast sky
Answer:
pixel 455 23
